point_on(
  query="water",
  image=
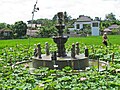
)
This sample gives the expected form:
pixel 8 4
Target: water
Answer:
pixel 100 65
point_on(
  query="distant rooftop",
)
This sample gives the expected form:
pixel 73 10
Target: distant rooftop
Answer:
pixel 107 30
pixel 83 18
pixel 114 26
pixel 3 30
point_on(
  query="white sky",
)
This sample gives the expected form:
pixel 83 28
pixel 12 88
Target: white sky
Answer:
pixel 16 10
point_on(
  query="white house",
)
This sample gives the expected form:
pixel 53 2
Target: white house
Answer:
pixel 33 25
pixel 79 24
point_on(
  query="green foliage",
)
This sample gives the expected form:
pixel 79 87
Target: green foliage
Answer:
pixel 47 31
pixel 67 69
pixel 20 29
pixel 114 31
pixel 66 17
pixel 94 40
pixel 110 17
pixel 6 28
pixel 3 25
pixel 19 78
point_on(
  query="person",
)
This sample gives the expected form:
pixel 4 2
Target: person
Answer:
pixel 105 38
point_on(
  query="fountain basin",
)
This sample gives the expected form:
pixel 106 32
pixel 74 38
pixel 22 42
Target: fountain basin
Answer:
pixel 80 62
pixel 92 63
pixel 60 41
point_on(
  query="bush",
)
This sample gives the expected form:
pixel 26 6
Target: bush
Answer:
pixel 114 32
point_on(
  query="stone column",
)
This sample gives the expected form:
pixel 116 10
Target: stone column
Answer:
pixel 47 49
pixel 39 51
pixel 86 52
pixel 35 51
pixel 73 51
pixel 54 56
pixel 77 48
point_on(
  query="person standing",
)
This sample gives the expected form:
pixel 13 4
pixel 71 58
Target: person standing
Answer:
pixel 105 38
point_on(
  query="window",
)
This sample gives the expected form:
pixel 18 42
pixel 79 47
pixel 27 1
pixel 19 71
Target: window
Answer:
pixel 78 26
pixel 95 24
pixel 5 34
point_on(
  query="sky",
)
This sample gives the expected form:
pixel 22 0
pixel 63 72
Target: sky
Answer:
pixel 17 10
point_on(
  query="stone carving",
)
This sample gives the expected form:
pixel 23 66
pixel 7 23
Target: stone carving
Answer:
pixel 39 51
pixel 77 48
pixel 47 49
pixel 73 51
pixel 35 51
pixel 54 56
pixel 86 52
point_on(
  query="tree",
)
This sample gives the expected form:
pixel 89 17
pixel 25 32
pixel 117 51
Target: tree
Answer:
pixel 66 17
pixel 110 17
pixel 47 28
pixel 106 23
pixel 97 19
pixel 54 19
pixel 3 25
pixel 47 31
pixel 20 29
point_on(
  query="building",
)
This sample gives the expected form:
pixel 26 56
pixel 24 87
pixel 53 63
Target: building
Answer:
pixel 32 33
pixel 113 28
pixel 83 20
pixel 6 34
pixel 34 25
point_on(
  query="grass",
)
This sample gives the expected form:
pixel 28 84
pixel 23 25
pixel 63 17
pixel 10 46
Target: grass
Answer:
pixel 91 40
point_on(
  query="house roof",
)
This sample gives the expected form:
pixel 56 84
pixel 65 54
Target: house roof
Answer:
pixel 114 26
pixel 107 30
pixel 2 30
pixel 83 18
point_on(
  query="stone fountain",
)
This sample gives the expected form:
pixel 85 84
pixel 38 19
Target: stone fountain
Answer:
pixel 59 59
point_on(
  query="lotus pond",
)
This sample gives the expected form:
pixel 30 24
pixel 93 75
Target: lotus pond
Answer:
pixel 20 78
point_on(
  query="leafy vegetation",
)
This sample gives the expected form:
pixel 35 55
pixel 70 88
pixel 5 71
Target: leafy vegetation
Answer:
pixel 20 29
pixel 19 77
pixel 94 40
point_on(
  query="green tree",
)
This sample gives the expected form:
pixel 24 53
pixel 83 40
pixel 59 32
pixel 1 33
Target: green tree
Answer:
pixel 47 31
pixel 3 25
pixel 20 29
pixel 54 19
pixel 68 22
pixel 66 17
pixel 106 23
pixel 110 17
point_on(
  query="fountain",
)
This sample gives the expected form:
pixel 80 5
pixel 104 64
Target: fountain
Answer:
pixel 59 59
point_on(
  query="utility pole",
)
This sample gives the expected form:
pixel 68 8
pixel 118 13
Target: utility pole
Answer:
pixel 35 9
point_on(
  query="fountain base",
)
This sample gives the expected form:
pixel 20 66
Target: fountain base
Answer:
pixel 77 63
